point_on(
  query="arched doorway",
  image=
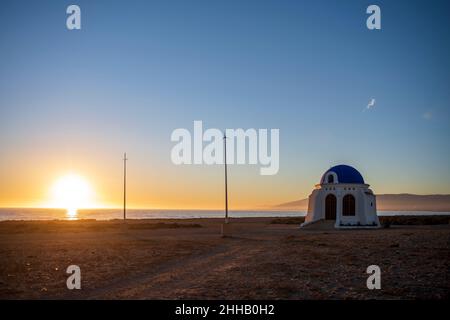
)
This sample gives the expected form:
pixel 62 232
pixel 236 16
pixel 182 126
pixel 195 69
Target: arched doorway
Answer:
pixel 330 207
pixel 348 205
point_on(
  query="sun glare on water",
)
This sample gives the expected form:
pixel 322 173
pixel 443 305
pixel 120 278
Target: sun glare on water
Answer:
pixel 71 192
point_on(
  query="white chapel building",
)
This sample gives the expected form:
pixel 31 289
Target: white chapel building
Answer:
pixel 344 197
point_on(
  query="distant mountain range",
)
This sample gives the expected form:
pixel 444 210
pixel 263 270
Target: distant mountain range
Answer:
pixel 392 202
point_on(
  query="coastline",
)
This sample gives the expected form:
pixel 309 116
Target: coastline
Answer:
pixel 43 214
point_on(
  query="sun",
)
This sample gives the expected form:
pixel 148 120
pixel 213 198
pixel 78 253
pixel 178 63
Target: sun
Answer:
pixel 71 192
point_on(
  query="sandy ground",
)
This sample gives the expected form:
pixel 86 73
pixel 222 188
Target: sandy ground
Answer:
pixel 188 259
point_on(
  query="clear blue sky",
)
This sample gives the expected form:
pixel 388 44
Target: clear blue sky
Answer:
pixel 139 69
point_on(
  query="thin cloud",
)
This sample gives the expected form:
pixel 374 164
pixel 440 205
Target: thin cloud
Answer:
pixel 427 115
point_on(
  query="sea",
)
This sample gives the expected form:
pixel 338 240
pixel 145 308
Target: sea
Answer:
pixel 110 214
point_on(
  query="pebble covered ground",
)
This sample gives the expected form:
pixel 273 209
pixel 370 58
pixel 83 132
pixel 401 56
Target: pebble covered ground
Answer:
pixel 188 259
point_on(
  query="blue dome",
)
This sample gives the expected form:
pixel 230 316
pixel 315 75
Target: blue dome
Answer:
pixel 345 174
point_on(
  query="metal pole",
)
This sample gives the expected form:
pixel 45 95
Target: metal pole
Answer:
pixel 125 186
pixel 226 181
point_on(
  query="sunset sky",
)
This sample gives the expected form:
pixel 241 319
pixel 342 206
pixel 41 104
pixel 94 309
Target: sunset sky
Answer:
pixel 72 102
